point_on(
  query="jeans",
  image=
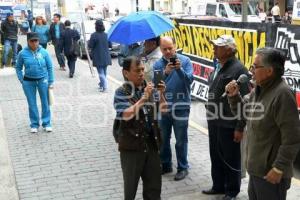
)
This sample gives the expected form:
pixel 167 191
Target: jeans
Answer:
pixel 30 88
pixel 59 55
pixel 71 63
pixel 7 45
pixel 179 121
pixel 102 71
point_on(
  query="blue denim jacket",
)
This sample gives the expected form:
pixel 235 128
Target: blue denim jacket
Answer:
pixel 36 64
pixel 178 83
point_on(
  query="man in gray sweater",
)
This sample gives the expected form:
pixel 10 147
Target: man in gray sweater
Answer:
pixel 273 127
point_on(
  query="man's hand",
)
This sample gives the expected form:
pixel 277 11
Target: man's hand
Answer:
pixel 169 68
pixel 161 87
pixel 232 88
pixel 51 86
pixel 178 64
pixel 238 136
pixel 148 90
pixel 273 177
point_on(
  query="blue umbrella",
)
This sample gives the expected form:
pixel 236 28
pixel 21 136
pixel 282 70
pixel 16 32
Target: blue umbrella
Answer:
pixel 139 26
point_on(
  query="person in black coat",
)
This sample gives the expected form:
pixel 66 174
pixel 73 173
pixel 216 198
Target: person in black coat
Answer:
pixel 68 39
pixel 100 53
pixel 55 31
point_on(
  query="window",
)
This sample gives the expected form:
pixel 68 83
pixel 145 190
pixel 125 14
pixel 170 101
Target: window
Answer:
pixel 222 10
pixel 211 9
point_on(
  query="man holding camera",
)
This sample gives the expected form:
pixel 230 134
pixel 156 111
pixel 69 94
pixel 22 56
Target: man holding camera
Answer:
pixel 178 76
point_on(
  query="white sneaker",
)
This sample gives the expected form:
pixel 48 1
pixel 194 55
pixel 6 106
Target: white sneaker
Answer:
pixel 33 130
pixel 48 129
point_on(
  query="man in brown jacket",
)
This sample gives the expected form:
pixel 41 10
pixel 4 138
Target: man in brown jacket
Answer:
pixel 273 127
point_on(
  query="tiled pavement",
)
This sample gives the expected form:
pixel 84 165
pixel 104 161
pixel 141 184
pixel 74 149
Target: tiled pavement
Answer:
pixel 79 160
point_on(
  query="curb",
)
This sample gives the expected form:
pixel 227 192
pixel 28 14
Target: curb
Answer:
pixel 8 190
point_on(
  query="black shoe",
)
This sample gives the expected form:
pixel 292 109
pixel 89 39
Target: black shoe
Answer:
pixel 166 170
pixel 212 192
pixel 70 75
pixel 181 175
pixel 228 198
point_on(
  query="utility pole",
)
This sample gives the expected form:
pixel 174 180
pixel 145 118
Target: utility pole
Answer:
pixel 137 5
pixel 152 5
pixel 31 6
pixel 245 11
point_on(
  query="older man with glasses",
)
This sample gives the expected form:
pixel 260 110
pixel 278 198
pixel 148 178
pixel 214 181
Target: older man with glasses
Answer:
pixel 273 127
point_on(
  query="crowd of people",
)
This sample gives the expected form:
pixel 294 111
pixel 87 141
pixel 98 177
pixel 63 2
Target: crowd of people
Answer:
pixel 155 100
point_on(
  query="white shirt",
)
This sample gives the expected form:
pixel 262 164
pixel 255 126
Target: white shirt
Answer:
pixel 149 61
pixel 275 10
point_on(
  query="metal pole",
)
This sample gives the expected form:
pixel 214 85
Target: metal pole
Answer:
pixel 152 5
pixel 137 5
pixel 31 6
pixel 245 11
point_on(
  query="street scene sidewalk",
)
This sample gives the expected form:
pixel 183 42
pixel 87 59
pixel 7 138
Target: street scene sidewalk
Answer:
pixel 79 159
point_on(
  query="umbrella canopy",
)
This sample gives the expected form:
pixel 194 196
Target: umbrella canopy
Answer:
pixel 139 26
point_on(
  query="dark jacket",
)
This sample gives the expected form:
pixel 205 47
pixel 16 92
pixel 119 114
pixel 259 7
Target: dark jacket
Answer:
pixel 52 32
pixel 273 128
pixel 137 134
pixel 9 31
pixel 67 37
pixel 231 70
pixel 99 46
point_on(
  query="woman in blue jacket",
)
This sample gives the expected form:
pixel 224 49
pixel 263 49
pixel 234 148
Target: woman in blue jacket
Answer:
pixel 42 29
pixel 100 53
pixel 35 72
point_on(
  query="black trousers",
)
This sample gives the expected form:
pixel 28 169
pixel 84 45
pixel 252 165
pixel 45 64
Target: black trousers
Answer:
pixel 225 155
pixel 71 63
pixel 145 165
pixel 260 189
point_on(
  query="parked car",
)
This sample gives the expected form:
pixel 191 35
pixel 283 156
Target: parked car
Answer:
pixel 89 27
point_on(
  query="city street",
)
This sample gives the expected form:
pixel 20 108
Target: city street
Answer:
pixel 79 159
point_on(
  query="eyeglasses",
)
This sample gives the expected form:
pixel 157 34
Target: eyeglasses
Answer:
pixel 253 67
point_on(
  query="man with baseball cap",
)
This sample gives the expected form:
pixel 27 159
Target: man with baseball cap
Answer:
pixel 225 130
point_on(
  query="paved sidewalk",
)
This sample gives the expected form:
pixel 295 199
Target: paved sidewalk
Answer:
pixel 79 160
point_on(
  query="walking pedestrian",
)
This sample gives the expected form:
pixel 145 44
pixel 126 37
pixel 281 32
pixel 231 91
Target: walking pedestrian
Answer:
pixel 56 29
pixel 9 32
pixel 30 19
pixel 178 76
pixel 68 40
pixel 275 11
pixel 100 53
pixel 139 135
pixel 225 131
pixel 273 127
pixel 35 73
pixel 42 29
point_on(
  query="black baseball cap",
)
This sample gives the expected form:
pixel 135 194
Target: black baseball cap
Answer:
pixel 32 36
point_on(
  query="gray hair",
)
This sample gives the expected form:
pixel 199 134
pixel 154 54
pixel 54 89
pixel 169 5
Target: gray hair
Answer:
pixel 274 58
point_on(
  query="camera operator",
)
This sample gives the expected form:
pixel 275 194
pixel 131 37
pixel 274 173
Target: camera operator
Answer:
pixel 139 136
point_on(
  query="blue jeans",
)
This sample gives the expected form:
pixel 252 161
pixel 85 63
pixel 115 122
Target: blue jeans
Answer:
pixel 59 55
pixel 180 125
pixel 30 88
pixel 7 45
pixel 102 71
